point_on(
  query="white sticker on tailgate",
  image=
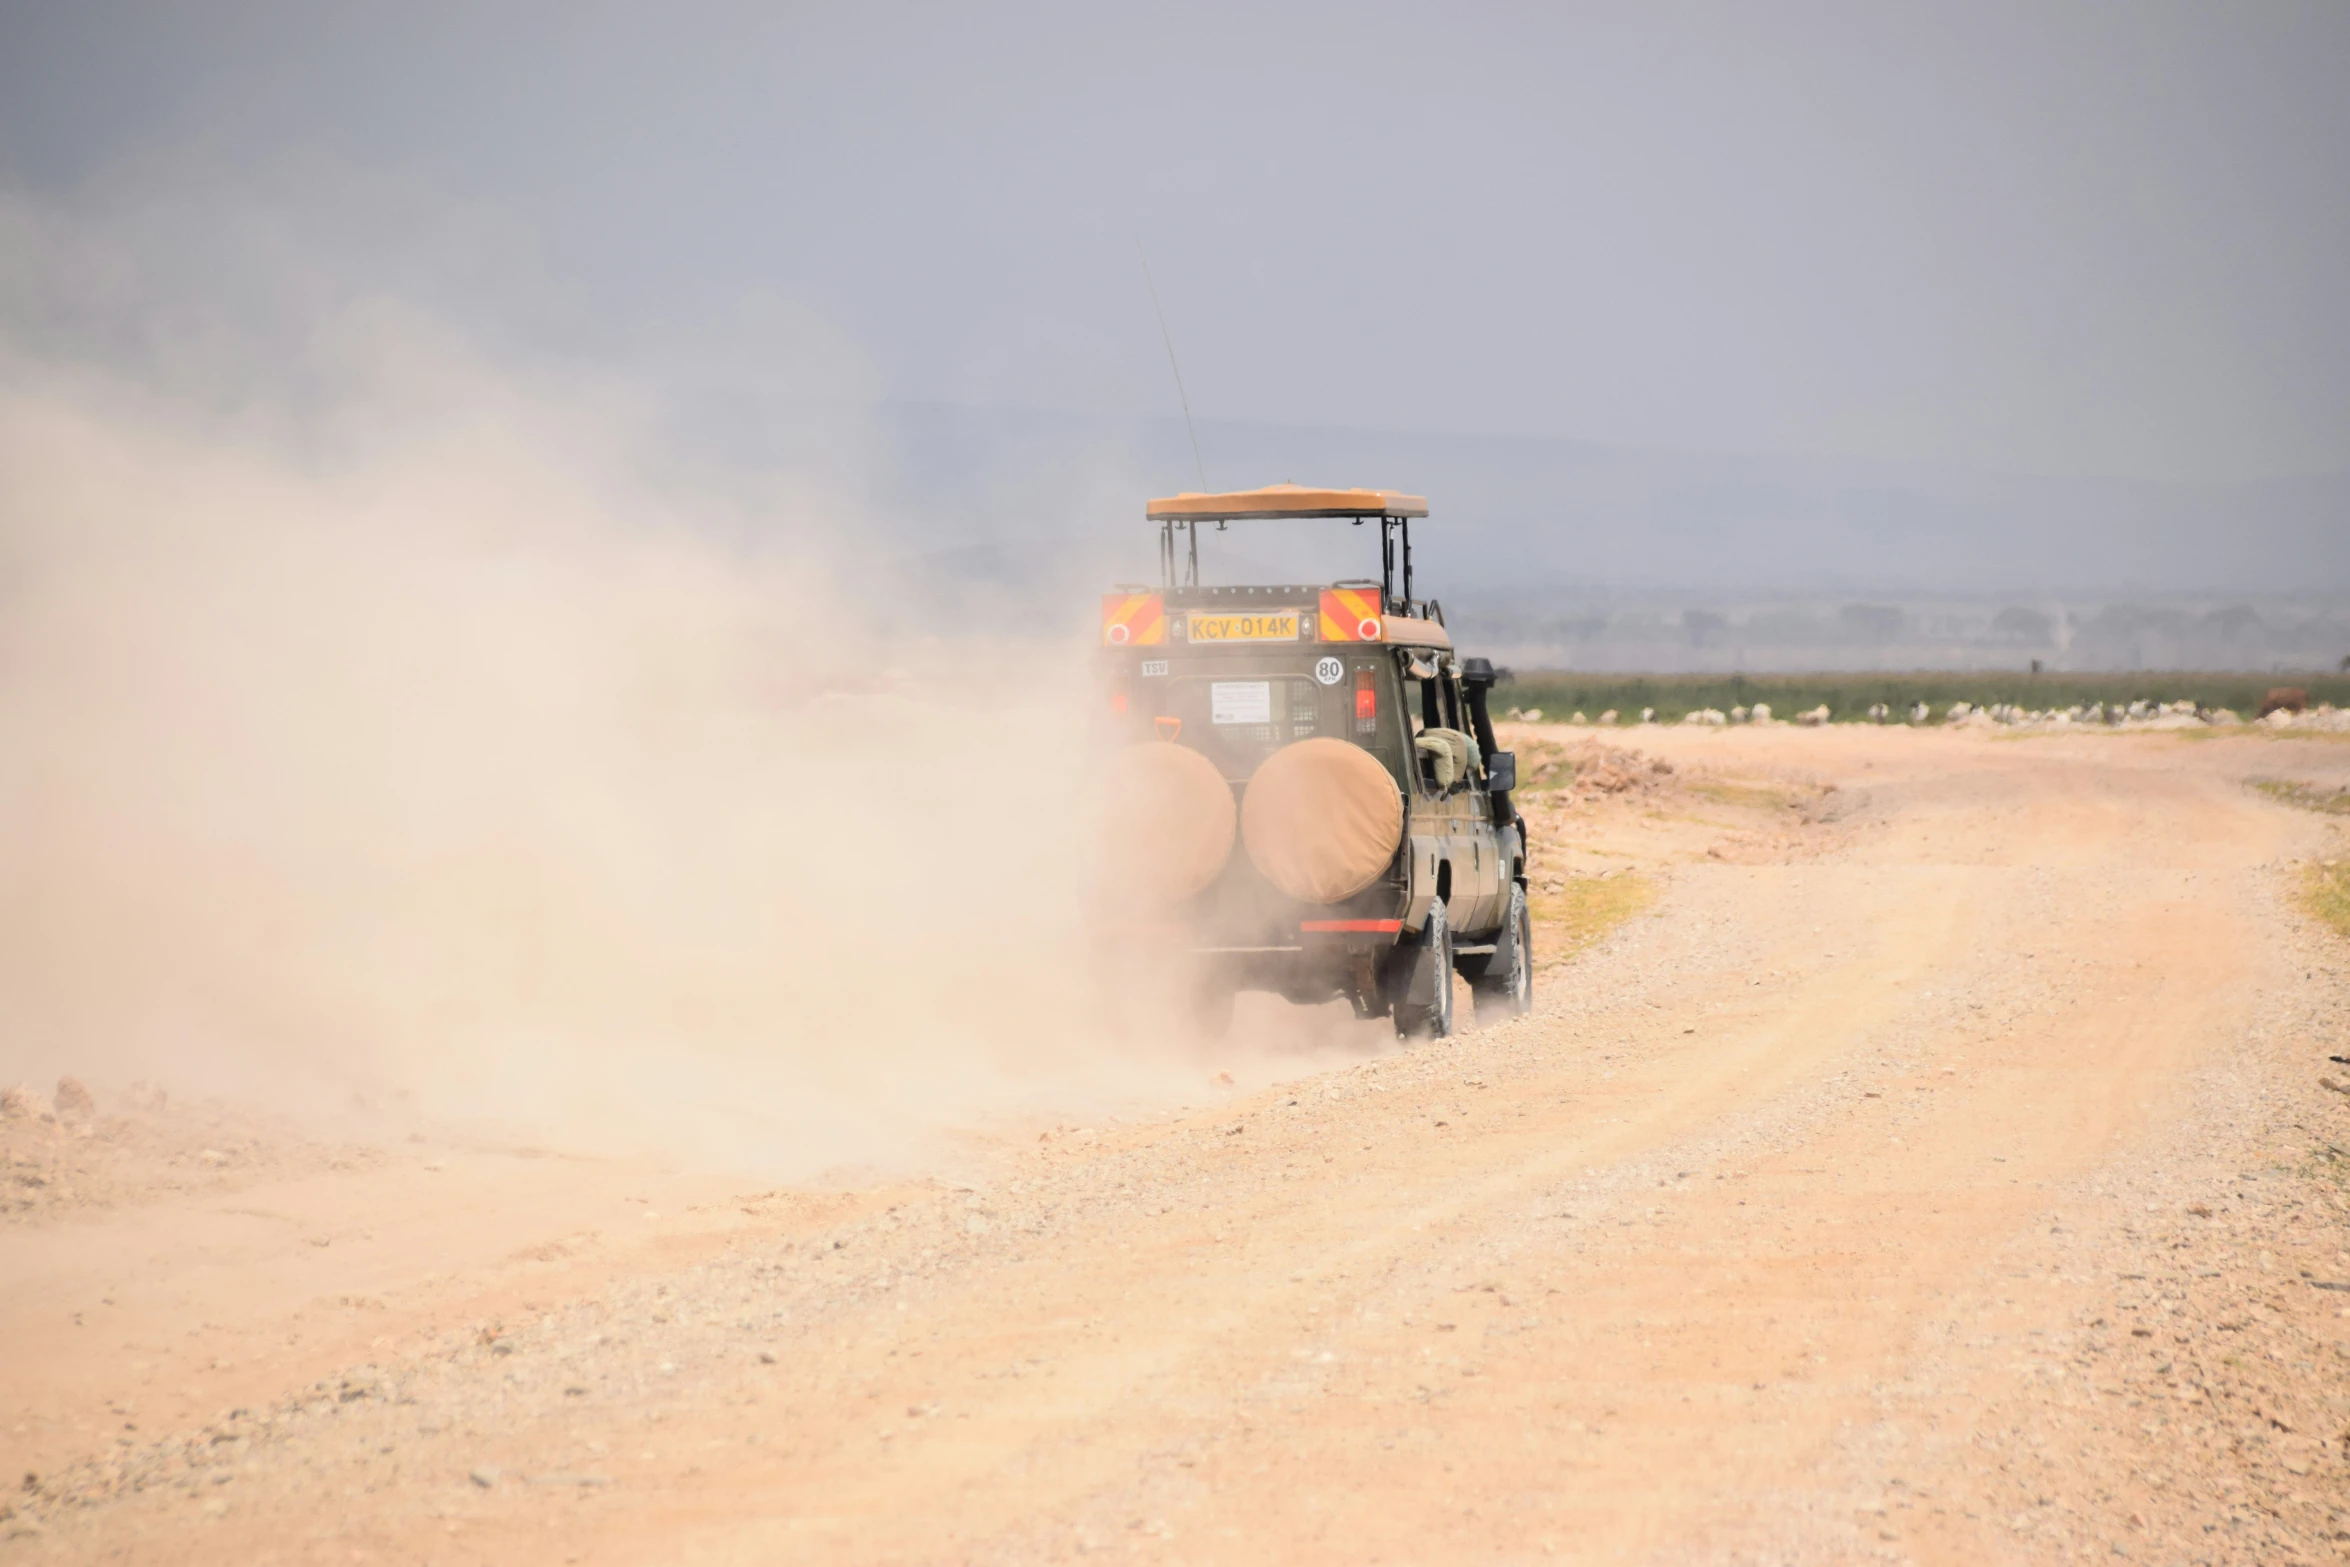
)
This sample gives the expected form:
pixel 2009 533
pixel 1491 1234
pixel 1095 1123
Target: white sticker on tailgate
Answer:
pixel 1241 701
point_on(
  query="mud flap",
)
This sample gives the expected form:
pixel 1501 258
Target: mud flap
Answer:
pixel 1364 989
pixel 1420 980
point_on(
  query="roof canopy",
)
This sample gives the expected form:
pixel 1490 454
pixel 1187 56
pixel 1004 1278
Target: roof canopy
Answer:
pixel 1287 500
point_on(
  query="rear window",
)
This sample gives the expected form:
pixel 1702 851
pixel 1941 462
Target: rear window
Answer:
pixel 1237 711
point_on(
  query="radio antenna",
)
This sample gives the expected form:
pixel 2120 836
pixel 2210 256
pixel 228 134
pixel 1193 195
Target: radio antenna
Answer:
pixel 1168 338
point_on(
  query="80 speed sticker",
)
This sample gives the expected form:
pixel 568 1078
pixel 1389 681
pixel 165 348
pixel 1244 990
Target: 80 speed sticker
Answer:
pixel 1329 671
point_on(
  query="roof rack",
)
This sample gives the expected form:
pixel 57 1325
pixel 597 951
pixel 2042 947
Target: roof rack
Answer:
pixel 1393 510
pixel 1286 500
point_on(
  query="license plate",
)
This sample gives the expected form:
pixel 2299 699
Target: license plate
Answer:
pixel 1277 626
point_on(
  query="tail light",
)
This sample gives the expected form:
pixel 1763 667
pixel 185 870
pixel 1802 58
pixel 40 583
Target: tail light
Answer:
pixel 1366 696
pixel 1118 703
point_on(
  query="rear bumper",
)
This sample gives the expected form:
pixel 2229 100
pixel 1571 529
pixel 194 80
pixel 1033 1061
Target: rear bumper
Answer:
pixel 1302 929
pixel 1241 912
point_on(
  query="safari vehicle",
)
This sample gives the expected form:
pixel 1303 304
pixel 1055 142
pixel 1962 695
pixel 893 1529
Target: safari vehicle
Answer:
pixel 1305 788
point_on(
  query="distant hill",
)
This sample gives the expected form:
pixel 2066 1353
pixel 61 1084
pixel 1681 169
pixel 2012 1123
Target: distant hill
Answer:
pixel 1509 510
pixel 1572 553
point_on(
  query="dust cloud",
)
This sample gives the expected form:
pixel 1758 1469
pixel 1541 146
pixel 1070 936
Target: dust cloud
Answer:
pixel 425 758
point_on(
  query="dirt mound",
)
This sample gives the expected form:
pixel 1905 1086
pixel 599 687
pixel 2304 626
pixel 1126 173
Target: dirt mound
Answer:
pixel 70 1160
pixel 1587 767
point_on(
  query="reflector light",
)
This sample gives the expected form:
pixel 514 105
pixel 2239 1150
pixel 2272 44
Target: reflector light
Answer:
pixel 1351 615
pixel 1133 620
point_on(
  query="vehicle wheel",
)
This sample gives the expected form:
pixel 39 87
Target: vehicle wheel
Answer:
pixel 1505 989
pixel 1424 1008
pixel 1211 1008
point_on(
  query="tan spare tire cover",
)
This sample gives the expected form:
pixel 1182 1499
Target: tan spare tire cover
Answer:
pixel 1321 820
pixel 1168 821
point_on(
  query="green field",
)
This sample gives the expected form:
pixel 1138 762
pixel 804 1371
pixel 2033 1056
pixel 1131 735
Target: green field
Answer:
pixel 1558 694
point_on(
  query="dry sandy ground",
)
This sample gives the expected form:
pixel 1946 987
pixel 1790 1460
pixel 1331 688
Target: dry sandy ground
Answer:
pixel 1938 1172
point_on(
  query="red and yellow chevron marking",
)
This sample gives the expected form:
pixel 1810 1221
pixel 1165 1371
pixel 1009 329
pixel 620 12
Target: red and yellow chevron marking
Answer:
pixel 1133 620
pixel 1351 615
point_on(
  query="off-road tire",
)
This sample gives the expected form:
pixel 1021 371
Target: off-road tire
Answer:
pixel 1432 955
pixel 1209 1008
pixel 1503 981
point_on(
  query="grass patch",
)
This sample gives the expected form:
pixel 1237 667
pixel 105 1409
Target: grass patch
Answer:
pixel 1559 694
pixel 2328 1163
pixel 1585 909
pixel 2325 892
pixel 2310 797
pixel 1753 797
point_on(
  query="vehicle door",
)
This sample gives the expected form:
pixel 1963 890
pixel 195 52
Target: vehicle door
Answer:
pixel 1479 882
pixel 1439 807
pixel 1428 823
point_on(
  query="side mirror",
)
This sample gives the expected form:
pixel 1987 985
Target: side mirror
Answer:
pixel 1501 772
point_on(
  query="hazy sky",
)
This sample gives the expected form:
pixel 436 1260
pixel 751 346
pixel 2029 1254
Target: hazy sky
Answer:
pixel 2106 239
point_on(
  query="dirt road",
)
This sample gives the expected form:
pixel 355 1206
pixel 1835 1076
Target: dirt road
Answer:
pixel 1938 1171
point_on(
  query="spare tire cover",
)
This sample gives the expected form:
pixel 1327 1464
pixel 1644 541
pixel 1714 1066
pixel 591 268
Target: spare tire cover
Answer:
pixel 1322 819
pixel 1168 821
